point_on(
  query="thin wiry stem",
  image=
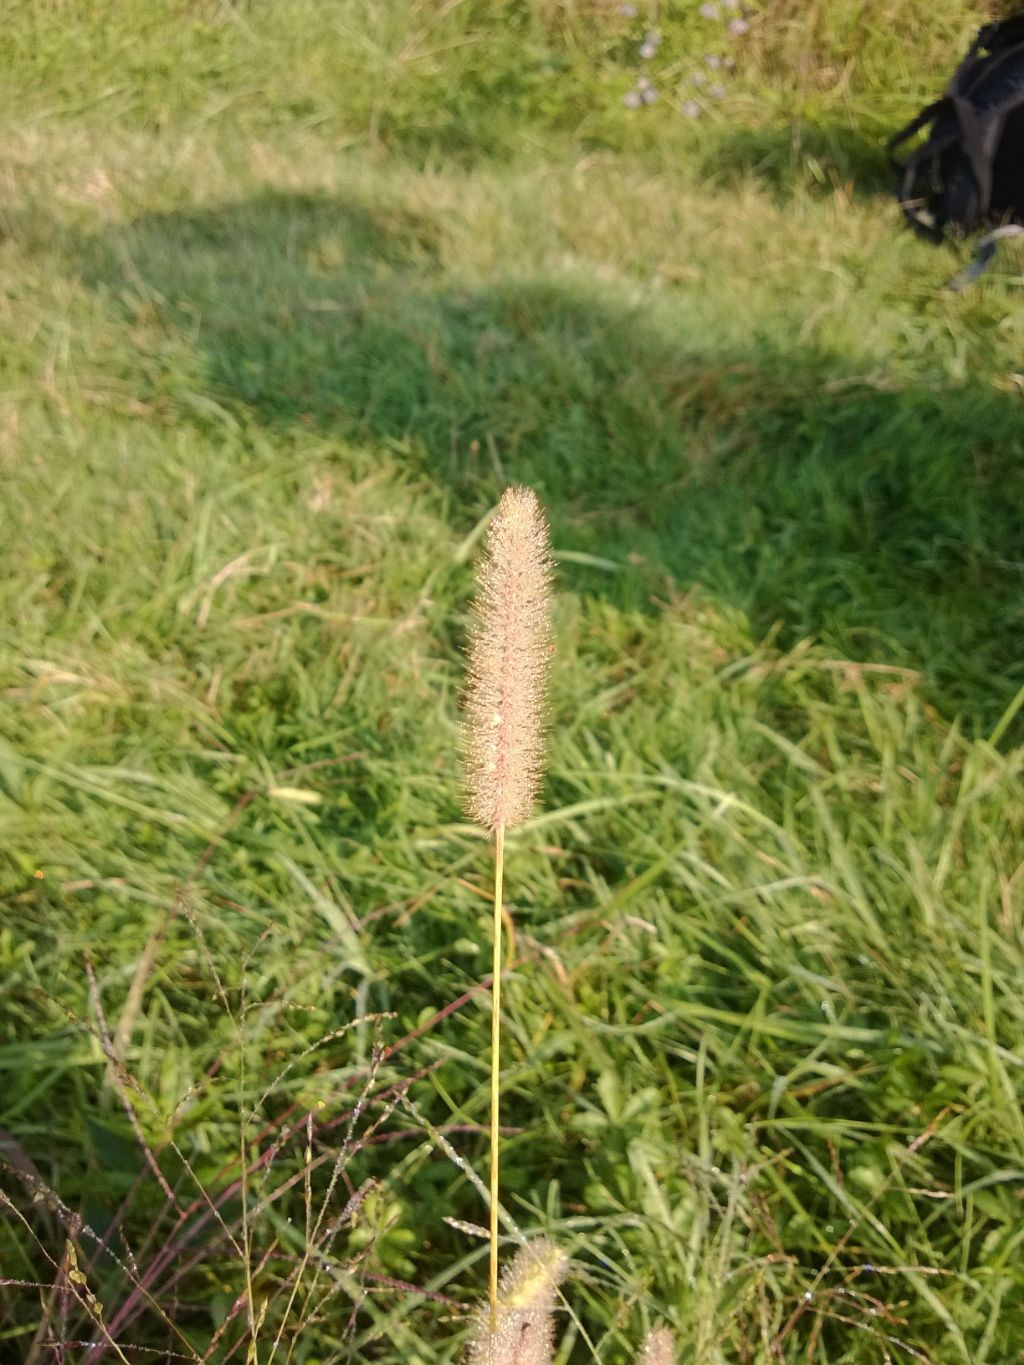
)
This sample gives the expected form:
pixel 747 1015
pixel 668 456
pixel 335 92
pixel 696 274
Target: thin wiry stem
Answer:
pixel 499 872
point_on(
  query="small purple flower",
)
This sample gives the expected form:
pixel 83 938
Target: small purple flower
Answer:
pixel 648 51
pixel 690 109
pixel 643 83
pixel 628 11
pixel 708 11
pixel 738 26
pixel 649 95
pixel 712 62
pixel 717 90
pixel 631 99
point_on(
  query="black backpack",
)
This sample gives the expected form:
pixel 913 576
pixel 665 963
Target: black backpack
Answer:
pixel 968 173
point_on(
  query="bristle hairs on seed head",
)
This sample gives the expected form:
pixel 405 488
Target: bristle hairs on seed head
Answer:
pixel 524 1332
pixel 509 652
pixel 659 1348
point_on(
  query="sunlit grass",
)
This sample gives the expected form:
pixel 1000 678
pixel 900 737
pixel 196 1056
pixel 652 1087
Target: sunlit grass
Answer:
pixel 282 315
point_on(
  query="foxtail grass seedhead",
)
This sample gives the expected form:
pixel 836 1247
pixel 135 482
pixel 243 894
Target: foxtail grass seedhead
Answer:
pixel 659 1348
pixel 524 1331
pixel 510 648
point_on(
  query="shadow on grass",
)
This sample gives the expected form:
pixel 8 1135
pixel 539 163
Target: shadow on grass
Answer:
pixel 886 522
pixel 804 156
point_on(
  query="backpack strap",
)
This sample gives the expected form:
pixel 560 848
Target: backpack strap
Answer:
pixel 914 126
pixel 984 256
pixel 930 150
pixel 979 140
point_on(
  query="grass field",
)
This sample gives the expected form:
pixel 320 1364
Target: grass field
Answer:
pixel 289 293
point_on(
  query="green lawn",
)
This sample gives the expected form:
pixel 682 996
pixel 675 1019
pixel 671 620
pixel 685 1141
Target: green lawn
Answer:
pixel 289 293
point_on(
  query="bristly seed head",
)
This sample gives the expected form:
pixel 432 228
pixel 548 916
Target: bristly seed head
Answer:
pixel 659 1348
pixel 524 1331
pixel 509 653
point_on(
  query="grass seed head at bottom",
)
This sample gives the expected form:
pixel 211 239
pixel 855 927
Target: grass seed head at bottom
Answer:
pixel 524 1333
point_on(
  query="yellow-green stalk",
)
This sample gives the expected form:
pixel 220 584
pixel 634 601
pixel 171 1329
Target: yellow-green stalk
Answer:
pixel 509 651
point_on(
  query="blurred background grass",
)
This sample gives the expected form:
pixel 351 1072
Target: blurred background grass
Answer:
pixel 289 294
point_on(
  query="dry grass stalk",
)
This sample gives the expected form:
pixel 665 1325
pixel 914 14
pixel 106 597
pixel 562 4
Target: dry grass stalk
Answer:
pixel 522 1332
pixel 503 731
